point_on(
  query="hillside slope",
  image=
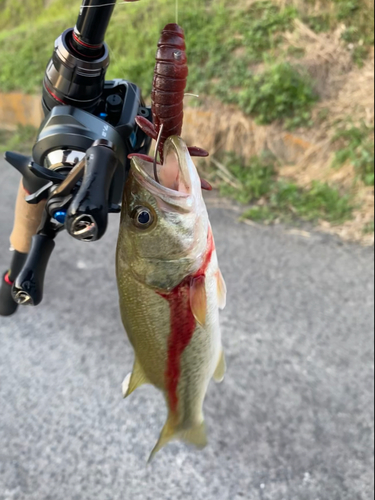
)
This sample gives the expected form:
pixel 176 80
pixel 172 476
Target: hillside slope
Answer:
pixel 267 73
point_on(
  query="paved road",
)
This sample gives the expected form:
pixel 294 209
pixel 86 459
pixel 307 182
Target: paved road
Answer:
pixel 292 422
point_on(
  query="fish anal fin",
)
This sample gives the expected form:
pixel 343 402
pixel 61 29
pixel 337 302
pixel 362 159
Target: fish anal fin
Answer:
pixel 134 380
pixel 198 299
pixel 196 436
pixel 220 369
pixel 221 290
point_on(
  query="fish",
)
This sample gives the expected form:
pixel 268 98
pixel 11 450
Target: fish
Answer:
pixel 171 290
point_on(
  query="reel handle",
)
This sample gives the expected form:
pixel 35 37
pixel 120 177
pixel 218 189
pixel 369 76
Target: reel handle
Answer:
pixel 87 216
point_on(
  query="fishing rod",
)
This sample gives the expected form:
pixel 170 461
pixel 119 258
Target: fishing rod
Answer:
pixel 76 173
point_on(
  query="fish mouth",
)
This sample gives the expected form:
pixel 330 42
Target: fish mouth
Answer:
pixel 176 178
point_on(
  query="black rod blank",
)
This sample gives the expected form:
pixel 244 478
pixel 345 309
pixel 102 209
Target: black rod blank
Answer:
pixel 93 22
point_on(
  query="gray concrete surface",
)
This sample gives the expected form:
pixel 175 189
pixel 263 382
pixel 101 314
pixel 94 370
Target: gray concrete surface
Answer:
pixel 293 421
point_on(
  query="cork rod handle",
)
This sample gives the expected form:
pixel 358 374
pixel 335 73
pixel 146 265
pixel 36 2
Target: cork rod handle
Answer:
pixel 27 221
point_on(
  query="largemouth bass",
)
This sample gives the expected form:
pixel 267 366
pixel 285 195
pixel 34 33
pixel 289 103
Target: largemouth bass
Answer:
pixel 171 290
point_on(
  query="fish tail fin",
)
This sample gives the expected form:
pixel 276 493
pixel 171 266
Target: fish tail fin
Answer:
pixel 196 435
pixel 167 435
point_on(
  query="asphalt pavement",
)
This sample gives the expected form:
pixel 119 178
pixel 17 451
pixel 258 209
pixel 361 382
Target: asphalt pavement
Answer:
pixel 292 421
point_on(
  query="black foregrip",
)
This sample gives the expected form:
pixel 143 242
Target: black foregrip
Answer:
pixel 7 304
pixel 29 285
pixel 87 217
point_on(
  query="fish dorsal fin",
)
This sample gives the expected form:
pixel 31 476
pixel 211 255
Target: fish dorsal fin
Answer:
pixel 220 369
pixel 221 290
pixel 195 435
pixel 134 380
pixel 198 299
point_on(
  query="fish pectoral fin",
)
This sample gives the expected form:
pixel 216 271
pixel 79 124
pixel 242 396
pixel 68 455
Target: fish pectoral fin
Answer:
pixel 134 380
pixel 198 299
pixel 221 290
pixel 195 435
pixel 221 368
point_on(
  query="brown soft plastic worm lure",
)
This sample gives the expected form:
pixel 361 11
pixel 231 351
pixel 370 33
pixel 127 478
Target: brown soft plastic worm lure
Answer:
pixel 168 92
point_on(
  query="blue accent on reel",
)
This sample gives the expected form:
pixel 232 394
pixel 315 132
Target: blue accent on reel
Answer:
pixel 60 216
pixel 133 139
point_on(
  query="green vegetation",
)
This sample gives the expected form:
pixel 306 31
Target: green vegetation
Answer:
pixel 280 92
pixel 280 199
pixel 319 23
pixel 22 140
pixel 225 40
pixel 14 12
pixel 360 54
pixel 233 47
pixel 356 146
pixel 236 53
pixel 27 48
pixel 358 17
pixel 5 136
pixel 356 14
pixel 369 228
pixel 320 201
pixel 256 179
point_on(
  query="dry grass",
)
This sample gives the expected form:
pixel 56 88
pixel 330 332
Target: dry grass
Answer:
pixel 344 89
pixel 327 59
pixel 346 92
pixel 353 230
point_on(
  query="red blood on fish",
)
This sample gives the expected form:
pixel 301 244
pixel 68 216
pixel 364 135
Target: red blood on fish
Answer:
pixel 183 324
pixel 182 331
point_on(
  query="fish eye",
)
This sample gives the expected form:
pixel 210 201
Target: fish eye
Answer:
pixel 143 217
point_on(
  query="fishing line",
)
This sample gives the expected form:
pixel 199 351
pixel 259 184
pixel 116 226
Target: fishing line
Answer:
pixel 125 2
pixel 106 4
pixel 112 52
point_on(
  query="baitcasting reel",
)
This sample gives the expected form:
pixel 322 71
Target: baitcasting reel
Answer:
pixel 79 164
